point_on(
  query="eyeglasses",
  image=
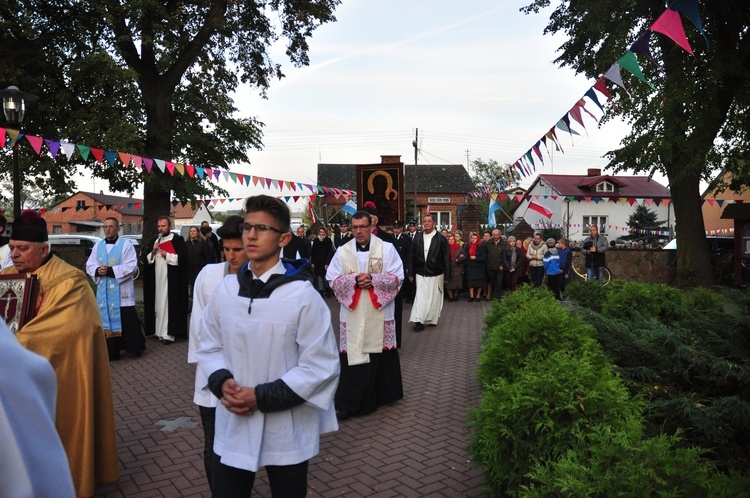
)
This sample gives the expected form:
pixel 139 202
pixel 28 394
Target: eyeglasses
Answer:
pixel 259 229
pixel 359 227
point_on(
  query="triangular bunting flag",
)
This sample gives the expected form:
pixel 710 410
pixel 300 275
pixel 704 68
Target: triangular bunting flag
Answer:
pixel 161 164
pixel 98 154
pixel 111 156
pixel 190 170
pixel 137 161
pixel 670 24
pixel 200 172
pixel 68 149
pixel 601 87
pixel 36 143
pixel 180 168
pixel 170 167
pixel 124 158
pixel 84 151
pixel 2 138
pixel 689 9
pixel 148 163
pixel 630 63
pixel 53 146
pixel 613 75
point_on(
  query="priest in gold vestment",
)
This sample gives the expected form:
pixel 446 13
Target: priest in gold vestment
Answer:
pixel 67 330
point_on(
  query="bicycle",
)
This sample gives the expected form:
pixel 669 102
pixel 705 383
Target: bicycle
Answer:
pixel 579 268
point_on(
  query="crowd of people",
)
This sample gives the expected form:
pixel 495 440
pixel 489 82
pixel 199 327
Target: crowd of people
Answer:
pixel 270 378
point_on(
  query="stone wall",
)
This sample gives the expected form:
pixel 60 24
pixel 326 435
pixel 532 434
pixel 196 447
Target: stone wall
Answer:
pixel 642 265
pixel 659 265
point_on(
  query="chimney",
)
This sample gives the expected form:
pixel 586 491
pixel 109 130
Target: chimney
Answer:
pixel 390 159
pixel 101 192
pixel 594 172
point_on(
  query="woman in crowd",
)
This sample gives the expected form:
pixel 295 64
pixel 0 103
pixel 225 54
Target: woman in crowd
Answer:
pixel 199 255
pixel 535 254
pixel 523 271
pixel 454 285
pixel 476 257
pixel 513 260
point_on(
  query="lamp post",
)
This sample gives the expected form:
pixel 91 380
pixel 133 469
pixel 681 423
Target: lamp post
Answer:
pixel 14 107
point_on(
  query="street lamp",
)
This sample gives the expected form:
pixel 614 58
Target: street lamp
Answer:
pixel 14 107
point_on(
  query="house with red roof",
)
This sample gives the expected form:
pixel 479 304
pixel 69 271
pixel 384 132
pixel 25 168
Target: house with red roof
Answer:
pixel 84 212
pixel 575 202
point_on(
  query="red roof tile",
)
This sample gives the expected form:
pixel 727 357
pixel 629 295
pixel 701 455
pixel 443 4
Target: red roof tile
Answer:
pixel 628 186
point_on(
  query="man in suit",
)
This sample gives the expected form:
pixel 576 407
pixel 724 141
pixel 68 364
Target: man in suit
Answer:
pixel 344 235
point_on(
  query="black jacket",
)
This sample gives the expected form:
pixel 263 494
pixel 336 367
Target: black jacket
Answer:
pixel 438 257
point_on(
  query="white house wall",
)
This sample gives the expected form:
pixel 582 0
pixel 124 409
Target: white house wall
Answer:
pixel 617 213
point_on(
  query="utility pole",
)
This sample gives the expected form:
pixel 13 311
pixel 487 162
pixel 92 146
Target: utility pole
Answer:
pixel 415 143
pixel 468 164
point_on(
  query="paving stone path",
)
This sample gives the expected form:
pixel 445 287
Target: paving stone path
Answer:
pixel 416 447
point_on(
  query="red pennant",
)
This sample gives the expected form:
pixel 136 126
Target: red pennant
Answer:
pixel 98 154
pixel 36 143
pixel 601 87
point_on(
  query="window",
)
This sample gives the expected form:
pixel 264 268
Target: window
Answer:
pixel 599 221
pixel 80 205
pixel 57 229
pixel 605 187
pixel 442 219
pixel 438 200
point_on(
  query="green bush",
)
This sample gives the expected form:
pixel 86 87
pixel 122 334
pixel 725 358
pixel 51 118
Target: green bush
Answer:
pixel 636 300
pixel 703 300
pixel 529 321
pixel 607 463
pixel 551 404
pixel 556 418
pixel 587 293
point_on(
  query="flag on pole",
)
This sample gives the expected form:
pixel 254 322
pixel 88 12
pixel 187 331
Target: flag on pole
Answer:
pixel 428 209
pixel 311 211
pixel 546 212
pixel 494 206
pixel 350 207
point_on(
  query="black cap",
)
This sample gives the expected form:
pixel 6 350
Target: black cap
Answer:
pixel 412 223
pixel 398 224
pixel 344 222
pixel 29 227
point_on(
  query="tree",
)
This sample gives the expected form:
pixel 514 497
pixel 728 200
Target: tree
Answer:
pixel 152 78
pixel 692 123
pixel 485 175
pixel 643 222
pixel 32 197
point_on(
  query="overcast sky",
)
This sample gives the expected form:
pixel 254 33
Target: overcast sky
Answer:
pixel 476 79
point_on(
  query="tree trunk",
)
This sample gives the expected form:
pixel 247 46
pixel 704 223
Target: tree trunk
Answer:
pixel 156 186
pixel 693 258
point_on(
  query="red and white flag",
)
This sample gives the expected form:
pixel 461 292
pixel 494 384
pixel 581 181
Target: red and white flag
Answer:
pixel 311 211
pixel 546 212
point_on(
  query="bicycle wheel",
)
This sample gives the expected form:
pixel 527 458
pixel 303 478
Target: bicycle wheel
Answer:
pixel 579 265
pixel 606 276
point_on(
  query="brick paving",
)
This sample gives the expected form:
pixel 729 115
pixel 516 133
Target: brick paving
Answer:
pixel 415 447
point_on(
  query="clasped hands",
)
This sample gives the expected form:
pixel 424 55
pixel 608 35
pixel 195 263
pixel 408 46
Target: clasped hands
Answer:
pixel 237 399
pixel 102 270
pixel 364 281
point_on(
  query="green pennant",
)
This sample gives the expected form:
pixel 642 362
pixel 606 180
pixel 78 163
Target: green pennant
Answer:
pixel 629 62
pixel 84 150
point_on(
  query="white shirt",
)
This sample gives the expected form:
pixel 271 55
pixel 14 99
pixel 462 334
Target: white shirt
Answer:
pixel 287 336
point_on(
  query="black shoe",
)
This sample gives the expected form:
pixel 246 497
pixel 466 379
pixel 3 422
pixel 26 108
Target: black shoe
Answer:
pixel 342 415
pixel 418 326
pixel 471 300
pixel 167 342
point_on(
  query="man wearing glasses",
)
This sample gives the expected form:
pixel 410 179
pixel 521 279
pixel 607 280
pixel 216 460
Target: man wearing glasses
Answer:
pixel 268 349
pixel 365 275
